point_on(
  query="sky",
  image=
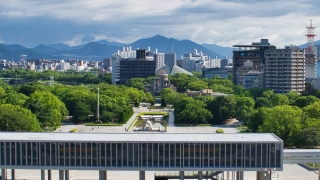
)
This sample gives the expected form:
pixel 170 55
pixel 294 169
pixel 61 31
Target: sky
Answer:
pixel 221 22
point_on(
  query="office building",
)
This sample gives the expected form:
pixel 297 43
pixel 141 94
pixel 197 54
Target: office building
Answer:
pixel 254 53
pixel 253 79
pixel 285 69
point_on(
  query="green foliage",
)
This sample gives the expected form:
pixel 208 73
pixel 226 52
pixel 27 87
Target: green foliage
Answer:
pixel 309 138
pixel 284 121
pixel 197 85
pixel 49 110
pixel 163 102
pixel 304 101
pixel 17 118
pixel 222 108
pixel 244 108
pixel 136 83
pixel 219 131
pixel 279 100
pixel 29 88
pixel 73 130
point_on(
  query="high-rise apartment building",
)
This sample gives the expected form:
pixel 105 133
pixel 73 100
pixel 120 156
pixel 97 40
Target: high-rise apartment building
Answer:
pixel 285 69
pixel 254 53
pixel 125 67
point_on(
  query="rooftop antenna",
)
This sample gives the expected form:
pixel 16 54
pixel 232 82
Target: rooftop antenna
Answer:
pixel 310 36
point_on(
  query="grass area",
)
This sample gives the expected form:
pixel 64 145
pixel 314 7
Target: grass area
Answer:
pixel 73 130
pixel 219 131
pixel 103 124
pixel 184 125
pixel 311 165
pixel 158 107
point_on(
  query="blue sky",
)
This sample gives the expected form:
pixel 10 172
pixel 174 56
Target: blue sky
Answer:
pixel 222 22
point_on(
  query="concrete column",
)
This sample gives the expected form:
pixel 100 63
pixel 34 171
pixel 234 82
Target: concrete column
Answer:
pixel 206 175
pixel 61 174
pixel 66 174
pixel 43 176
pixel 181 173
pixel 239 175
pixel 142 175
pixel 49 175
pixel 200 175
pixel 3 174
pixel 260 176
pixel 102 175
pixel 319 174
pixel 227 175
pixel 13 174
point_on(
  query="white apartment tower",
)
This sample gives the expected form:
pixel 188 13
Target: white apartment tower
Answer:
pixel 285 69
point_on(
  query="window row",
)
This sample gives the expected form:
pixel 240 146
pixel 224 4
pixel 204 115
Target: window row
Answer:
pixel 141 154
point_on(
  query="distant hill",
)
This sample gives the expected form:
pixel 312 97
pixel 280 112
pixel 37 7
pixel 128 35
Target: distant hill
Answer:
pixel 14 47
pixel 45 49
pixel 99 50
pixel 225 51
pixel 164 44
pixel 111 43
pixel 306 44
pixel 14 52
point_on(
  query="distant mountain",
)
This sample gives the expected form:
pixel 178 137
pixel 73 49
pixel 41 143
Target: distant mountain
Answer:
pixel 14 47
pixel 164 44
pixel 306 44
pixel 60 46
pixel 111 43
pixel 99 50
pixel 45 49
pixel 14 52
pixel 225 51
pixel 91 51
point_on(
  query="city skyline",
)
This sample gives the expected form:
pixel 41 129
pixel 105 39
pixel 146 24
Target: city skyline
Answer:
pixel 224 23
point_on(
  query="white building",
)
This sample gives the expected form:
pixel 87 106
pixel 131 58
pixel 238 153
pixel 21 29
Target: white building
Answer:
pixel 285 69
pixel 253 79
pixel 64 66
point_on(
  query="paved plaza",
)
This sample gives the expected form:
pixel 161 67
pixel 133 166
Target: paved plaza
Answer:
pixel 291 171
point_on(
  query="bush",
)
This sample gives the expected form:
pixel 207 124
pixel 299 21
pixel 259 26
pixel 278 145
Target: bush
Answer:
pixel 73 130
pixel 219 131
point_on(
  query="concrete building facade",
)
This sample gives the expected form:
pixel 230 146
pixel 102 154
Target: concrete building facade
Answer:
pixel 285 69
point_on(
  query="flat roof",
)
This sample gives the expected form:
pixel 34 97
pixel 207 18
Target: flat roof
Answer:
pixel 139 137
pixel 253 46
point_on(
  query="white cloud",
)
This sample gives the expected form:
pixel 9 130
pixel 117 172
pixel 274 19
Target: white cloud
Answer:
pixel 75 41
pixel 223 22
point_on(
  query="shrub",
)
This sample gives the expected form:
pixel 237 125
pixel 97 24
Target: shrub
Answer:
pixel 219 131
pixel 74 130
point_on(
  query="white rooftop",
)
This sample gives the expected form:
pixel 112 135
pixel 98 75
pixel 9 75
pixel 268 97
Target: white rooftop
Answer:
pixel 139 137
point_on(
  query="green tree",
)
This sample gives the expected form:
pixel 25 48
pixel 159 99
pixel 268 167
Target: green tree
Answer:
pixel 17 118
pixel 29 88
pixel 195 113
pixel 284 121
pixel 262 102
pixel 49 110
pixel 309 138
pixel 197 85
pixel 304 101
pixel 136 83
pixel 279 100
pixel 292 96
pixel 222 108
pixel 244 108
pixel 257 119
pixel 313 110
pixel 165 92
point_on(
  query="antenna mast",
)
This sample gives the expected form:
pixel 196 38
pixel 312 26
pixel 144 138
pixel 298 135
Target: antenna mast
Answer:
pixel 310 35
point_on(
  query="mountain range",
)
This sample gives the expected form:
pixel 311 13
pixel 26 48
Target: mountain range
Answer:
pixel 99 50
